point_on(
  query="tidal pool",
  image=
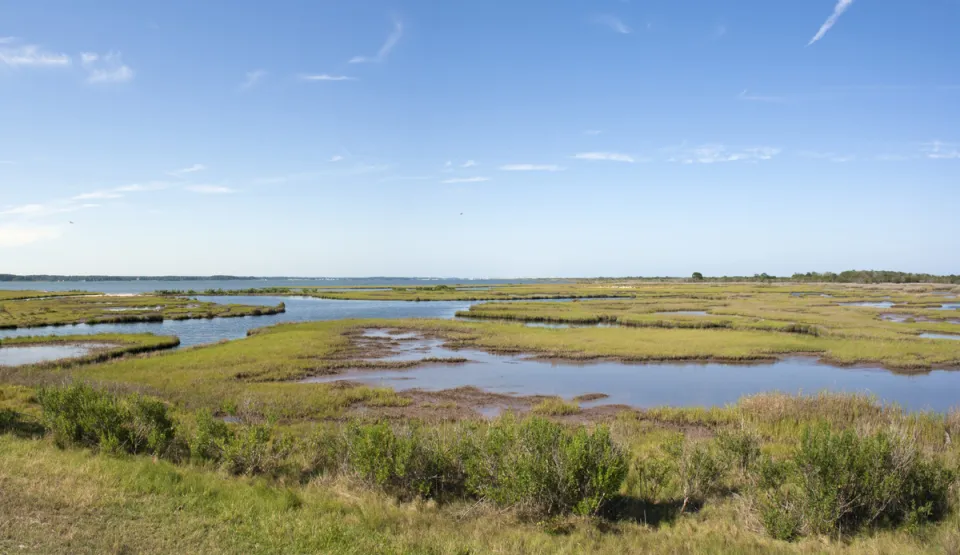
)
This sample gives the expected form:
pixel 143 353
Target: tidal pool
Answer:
pixel 32 354
pixel 878 304
pixel 940 336
pixel 647 384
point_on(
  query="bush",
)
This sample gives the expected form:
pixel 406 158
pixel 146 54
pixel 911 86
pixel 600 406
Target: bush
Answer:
pixel 80 415
pixel 409 461
pixel 207 438
pixel 254 449
pixel 542 467
pixel 739 449
pixel 698 467
pixel 839 482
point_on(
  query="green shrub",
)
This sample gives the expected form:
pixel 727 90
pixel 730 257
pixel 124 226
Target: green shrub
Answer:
pixel 254 449
pixel 698 467
pixel 839 483
pixel 543 467
pixel 207 438
pixel 739 449
pixel 409 461
pixel 651 476
pixel 80 415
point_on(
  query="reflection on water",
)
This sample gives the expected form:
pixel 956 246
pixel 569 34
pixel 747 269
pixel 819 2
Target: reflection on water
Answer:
pixel 299 309
pixel 940 336
pixel 15 356
pixel 654 384
pixel 878 304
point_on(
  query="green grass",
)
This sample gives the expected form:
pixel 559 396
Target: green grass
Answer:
pixel 103 309
pixel 116 346
pixel 556 406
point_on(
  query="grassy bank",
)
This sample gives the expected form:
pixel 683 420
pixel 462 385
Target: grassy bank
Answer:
pixel 695 482
pixel 108 346
pixel 103 309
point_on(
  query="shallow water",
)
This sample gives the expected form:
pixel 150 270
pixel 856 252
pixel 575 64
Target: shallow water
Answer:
pixel 879 304
pixel 940 336
pixel 299 309
pixel 15 356
pixel 646 385
pixel 950 306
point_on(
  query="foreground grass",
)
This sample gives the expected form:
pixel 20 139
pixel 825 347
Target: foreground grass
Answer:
pixel 75 501
pixel 60 310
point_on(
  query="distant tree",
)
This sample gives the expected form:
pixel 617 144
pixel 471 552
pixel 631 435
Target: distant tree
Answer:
pixel 697 276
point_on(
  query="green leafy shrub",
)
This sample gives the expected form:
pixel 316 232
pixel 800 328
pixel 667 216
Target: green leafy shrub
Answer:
pixel 254 449
pixel 208 437
pixel 80 415
pixel 543 467
pixel 699 469
pixel 739 449
pixel 409 461
pixel 839 483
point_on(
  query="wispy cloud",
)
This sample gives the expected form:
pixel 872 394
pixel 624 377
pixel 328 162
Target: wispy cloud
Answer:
pixel 29 55
pixel 606 156
pixel 532 168
pixel 140 187
pixel 210 189
pixel 336 158
pixel 326 77
pixel 30 211
pixel 392 39
pixel 252 78
pixel 614 23
pixel 100 195
pixel 747 95
pixel 938 150
pixel 16 235
pixel 190 169
pixel 466 180
pixel 468 164
pixel 715 153
pixel 838 10
pixel 828 156
pixel 592 132
pixel 106 68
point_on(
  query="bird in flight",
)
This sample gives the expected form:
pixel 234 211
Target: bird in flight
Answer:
pixel 71 223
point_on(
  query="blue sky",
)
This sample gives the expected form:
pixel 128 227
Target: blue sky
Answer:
pixel 479 138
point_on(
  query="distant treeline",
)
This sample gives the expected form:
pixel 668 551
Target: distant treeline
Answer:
pixel 874 276
pixel 46 277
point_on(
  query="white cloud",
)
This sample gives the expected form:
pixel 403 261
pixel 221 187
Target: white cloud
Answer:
pixel 712 154
pixel 25 209
pixel 747 95
pixel 191 169
pixel 326 77
pixel 13 235
pixel 97 195
pixel 606 156
pixel 468 164
pixel 614 23
pixel 466 180
pixel 210 189
pixel 829 156
pixel 937 150
pixel 252 78
pixel 139 187
pixel 107 68
pixel 593 132
pixel 385 50
pixel 838 10
pixel 532 168
pixel 30 55
pixel 336 158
